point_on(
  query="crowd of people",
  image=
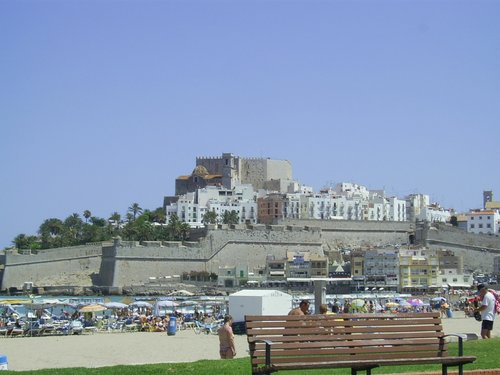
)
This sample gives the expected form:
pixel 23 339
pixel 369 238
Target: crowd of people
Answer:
pixel 484 306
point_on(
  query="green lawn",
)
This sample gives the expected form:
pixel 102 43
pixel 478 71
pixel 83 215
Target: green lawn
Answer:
pixel 486 351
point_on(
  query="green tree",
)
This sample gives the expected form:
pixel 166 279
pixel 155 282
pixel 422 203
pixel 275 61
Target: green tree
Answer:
pixel 454 221
pixel 50 232
pixel 184 231
pixel 210 217
pixel 22 242
pixel 98 221
pixel 115 219
pixel 87 215
pixel 173 226
pixel 177 229
pixel 135 209
pixel 72 233
pixel 158 216
pixel 230 217
pixel 144 229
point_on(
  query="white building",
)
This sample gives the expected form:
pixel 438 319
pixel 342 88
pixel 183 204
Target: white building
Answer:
pixel 396 210
pixel 483 222
pixel 191 207
pixel 415 203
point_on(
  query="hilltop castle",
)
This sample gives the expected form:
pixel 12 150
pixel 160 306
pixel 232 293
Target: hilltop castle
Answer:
pixel 229 170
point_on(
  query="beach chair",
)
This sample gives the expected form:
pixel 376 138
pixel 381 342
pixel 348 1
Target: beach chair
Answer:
pixel 75 327
pixel 207 328
pixel 33 328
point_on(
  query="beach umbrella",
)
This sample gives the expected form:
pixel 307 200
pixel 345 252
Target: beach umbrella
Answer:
pixel 358 303
pixel 438 299
pixel 141 304
pixel 416 302
pixel 115 305
pixel 92 308
pixel 391 305
pixel 404 304
pixel 181 292
pixel 166 303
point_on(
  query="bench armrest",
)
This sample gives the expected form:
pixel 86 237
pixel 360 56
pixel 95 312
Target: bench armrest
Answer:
pixel 461 337
pixel 268 349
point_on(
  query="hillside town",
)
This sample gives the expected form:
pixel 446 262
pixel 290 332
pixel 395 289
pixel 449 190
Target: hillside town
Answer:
pixel 262 190
pixel 252 225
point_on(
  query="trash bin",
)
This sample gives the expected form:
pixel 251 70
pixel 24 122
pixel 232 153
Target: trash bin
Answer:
pixel 172 326
pixel 3 362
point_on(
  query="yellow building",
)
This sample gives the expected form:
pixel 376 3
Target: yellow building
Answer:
pixel 418 270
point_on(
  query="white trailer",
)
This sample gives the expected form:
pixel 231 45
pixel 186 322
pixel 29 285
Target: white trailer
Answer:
pixel 258 302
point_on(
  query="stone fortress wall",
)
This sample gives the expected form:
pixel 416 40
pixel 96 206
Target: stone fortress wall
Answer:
pixel 127 263
pixel 71 265
pixel 478 250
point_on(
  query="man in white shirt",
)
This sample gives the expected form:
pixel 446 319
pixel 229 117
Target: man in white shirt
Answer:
pixel 487 310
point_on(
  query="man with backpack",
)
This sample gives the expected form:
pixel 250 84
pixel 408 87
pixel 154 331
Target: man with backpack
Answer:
pixel 487 310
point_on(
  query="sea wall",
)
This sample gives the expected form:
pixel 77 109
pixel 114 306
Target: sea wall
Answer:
pixel 478 250
pixel 127 263
pixel 124 263
pixel 68 265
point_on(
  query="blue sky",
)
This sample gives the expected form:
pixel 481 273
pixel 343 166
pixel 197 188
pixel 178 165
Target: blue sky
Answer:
pixel 105 103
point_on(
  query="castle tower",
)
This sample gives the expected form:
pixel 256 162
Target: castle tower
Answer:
pixel 487 197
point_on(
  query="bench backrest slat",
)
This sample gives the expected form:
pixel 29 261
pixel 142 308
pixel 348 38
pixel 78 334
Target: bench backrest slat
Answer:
pixel 345 337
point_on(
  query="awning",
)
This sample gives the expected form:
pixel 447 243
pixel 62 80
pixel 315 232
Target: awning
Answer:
pixel 277 273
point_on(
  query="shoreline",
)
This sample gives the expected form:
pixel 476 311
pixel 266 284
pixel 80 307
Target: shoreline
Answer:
pixel 134 348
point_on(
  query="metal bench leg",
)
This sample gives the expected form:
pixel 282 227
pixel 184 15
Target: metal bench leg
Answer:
pixel 355 371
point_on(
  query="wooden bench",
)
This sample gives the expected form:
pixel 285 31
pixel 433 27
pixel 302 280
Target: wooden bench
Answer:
pixel 357 341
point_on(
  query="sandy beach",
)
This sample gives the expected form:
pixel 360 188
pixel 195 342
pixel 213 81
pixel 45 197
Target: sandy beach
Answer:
pixel 129 348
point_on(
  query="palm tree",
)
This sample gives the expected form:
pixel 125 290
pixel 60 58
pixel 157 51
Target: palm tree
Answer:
pixel 230 217
pixel 158 216
pixel 174 227
pixel 50 232
pixel 210 217
pixel 184 231
pixel 135 209
pixel 87 215
pixel 115 218
pixel 72 230
pixel 23 241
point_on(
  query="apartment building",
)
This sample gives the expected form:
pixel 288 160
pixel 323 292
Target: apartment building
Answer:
pixel 271 208
pixel 419 270
pixel 381 269
pixel 483 222
pixel 191 207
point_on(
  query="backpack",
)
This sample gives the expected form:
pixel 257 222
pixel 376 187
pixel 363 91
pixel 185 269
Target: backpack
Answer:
pixel 497 300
